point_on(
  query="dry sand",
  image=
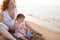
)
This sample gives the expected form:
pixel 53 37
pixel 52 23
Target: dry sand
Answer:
pixel 47 33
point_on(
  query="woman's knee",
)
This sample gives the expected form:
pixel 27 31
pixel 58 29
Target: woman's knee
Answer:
pixel 3 26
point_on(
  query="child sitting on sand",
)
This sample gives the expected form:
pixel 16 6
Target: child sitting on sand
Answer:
pixel 21 31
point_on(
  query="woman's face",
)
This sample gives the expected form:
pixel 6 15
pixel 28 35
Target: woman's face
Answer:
pixel 12 4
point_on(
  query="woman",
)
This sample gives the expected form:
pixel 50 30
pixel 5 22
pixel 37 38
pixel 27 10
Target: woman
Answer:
pixel 6 18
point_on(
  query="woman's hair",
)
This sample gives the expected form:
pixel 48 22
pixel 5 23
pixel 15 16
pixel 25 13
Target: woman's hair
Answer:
pixel 19 16
pixel 5 4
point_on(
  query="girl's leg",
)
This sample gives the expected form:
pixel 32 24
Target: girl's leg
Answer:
pixel 5 33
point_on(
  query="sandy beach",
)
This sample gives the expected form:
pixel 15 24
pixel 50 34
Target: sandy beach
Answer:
pixel 47 33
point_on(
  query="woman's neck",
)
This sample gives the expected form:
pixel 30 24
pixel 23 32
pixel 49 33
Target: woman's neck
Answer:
pixel 9 9
pixel 11 13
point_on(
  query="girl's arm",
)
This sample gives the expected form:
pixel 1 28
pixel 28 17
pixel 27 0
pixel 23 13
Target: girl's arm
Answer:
pixel 1 17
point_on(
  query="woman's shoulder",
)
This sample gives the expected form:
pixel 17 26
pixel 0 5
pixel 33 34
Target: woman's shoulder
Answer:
pixel 2 11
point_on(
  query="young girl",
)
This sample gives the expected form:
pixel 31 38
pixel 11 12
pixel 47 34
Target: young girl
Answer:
pixel 21 31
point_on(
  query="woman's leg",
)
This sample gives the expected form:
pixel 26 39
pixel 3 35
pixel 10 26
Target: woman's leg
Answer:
pixel 5 33
pixel 22 38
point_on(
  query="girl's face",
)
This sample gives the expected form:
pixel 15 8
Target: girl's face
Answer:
pixel 12 4
pixel 21 20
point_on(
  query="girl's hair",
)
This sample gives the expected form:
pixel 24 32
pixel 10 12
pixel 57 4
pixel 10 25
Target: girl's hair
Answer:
pixel 20 16
pixel 5 4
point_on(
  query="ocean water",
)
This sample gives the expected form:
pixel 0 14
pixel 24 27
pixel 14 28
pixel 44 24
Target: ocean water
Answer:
pixel 47 16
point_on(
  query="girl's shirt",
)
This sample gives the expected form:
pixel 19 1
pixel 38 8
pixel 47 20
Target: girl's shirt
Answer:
pixel 21 26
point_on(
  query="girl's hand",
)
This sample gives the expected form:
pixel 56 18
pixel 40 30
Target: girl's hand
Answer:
pixel 23 34
pixel 14 39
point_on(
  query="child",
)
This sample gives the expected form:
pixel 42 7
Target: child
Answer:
pixel 21 31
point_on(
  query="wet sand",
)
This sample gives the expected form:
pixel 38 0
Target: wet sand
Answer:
pixel 47 33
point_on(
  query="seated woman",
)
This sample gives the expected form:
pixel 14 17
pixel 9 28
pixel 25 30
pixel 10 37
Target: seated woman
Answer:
pixel 7 16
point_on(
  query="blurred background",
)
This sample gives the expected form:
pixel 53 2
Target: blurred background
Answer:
pixel 42 12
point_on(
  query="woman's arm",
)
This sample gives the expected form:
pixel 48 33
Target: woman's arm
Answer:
pixel 29 27
pixel 1 17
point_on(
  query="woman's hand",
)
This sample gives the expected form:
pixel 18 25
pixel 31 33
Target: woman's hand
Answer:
pixel 31 31
pixel 14 39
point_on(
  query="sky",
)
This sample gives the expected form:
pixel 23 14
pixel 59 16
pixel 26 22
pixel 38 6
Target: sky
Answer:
pixel 39 2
